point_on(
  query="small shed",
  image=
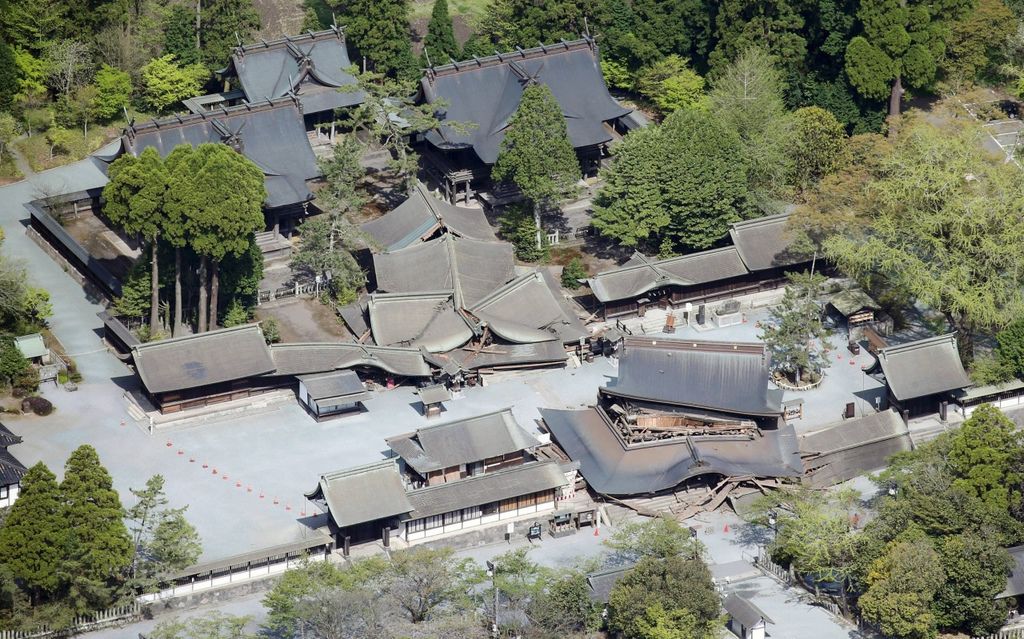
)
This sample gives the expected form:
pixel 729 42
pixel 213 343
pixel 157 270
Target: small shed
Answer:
pixel 32 348
pixel 746 620
pixel 855 306
pixel 433 398
pixel 332 394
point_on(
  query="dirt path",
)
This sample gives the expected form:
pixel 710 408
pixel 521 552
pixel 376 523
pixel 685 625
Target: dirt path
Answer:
pixel 19 159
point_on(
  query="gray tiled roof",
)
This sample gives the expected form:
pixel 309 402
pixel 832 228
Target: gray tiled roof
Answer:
pixel 642 274
pixel 530 309
pixel 604 581
pixel 7 438
pixel 336 385
pixel 313 66
pixel 11 470
pixel 853 447
pixel 434 394
pixel 470 268
pixel 302 359
pixel 766 243
pixel 612 467
pixel 461 442
pixel 201 360
pixel 426 320
pixel 420 215
pixel 486 93
pixel 716 376
pixel 1015 580
pixel 744 611
pixel 365 493
pixel 271 134
pixel 487 488
pixel 924 367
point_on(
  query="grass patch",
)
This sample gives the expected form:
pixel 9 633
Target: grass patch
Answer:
pixel 36 149
pixel 471 10
pixel 8 171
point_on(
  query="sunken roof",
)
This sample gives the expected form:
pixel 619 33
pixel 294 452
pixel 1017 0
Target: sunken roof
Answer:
pixel 498 356
pixel 335 386
pixel 853 447
pixel 716 376
pixel 470 268
pixel 420 216
pixel 643 274
pixel 483 489
pixel 462 442
pixel 364 493
pixel 203 359
pixel 426 320
pixel 612 466
pixel 530 309
pixel 303 359
pixel 485 92
pixel 312 66
pixel 270 133
pixel 766 243
pixel 744 611
pixel 924 367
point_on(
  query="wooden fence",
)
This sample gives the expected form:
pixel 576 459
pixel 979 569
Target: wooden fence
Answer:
pixel 85 623
pixel 1006 633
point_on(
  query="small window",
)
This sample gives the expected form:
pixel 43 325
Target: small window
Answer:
pixel 454 517
pixel 490 509
pixel 434 521
pixel 471 513
pixel 414 526
pixel 5 492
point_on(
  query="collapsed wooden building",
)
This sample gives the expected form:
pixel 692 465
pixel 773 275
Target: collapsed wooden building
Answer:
pixel 680 411
pixel 484 93
pixel 761 254
pixel 444 479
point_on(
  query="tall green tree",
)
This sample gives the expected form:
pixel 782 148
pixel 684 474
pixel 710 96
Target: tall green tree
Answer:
pixel 683 27
pixel 34 25
pixel 775 25
pixel 8 76
pixel 976 44
pixel 680 184
pixel 219 194
pixel 987 458
pixel 901 588
pixel 818 145
pixel 165 83
pixel 747 97
pixel 135 200
pixel 34 536
pixel 439 42
pixel 941 215
pixel 536 154
pixel 378 30
pixel 113 92
pixel 676 585
pixel 99 548
pixel 222 24
pixel 179 30
pixel 902 41
pixel 794 333
pixel 976 570
pixel 522 23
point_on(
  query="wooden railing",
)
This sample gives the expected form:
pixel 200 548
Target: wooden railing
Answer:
pixel 84 623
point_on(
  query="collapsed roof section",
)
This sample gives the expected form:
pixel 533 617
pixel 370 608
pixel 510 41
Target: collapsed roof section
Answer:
pixel 470 268
pixel 427 320
pixel 485 93
pixel 530 309
pixel 422 215
pixel 643 274
pixel 271 134
pixel 613 466
pixel 500 357
pixel 462 441
pixel 311 66
pixel 726 377
pixel 924 367
pixel 852 448
pixel 303 359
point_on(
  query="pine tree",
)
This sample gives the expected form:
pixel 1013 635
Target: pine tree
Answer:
pixel 222 24
pixel 379 31
pixel 164 541
pixel 8 76
pixel 34 535
pixel 440 42
pixel 536 154
pixel 180 35
pixel 99 548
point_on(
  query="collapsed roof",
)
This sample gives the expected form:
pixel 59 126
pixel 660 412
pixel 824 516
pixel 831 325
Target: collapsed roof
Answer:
pixel 420 216
pixel 716 376
pixel 853 447
pixel 311 66
pixel 462 442
pixel 428 320
pixel 270 134
pixel 614 467
pixel 485 93
pixel 500 356
pixel 306 358
pixel 643 274
pixel 530 309
pixel 924 367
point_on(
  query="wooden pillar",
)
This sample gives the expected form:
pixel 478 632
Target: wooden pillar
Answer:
pixel 346 546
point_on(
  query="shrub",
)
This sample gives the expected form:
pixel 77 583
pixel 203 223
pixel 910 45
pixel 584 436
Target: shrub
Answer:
pixel 1011 347
pixel 38 405
pixel 519 228
pixel 271 331
pixel 572 272
pixel 236 315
